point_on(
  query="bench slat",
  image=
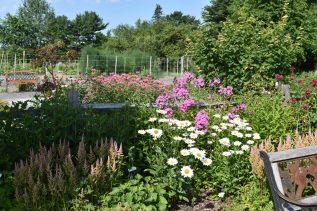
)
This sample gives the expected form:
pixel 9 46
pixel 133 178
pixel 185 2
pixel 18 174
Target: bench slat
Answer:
pixel 292 154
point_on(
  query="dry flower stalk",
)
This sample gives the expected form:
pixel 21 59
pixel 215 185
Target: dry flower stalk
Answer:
pixel 298 141
pixel 53 174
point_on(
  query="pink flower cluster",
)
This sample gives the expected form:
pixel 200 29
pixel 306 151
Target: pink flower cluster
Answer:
pixel 186 104
pixel 141 84
pixel 199 82
pixel 215 82
pixel 226 91
pixel 201 120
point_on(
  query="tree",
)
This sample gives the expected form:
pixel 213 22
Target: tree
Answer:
pixel 158 12
pixel 217 12
pixel 59 28
pixel 28 27
pixel 87 28
pixel 178 18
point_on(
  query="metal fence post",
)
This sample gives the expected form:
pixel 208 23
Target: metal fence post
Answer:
pixel 150 65
pixel 115 65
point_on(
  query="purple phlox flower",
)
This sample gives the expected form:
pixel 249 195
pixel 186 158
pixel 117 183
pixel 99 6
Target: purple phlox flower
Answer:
pixel 181 83
pixel 201 120
pixel 180 92
pixel 186 104
pixel 169 112
pixel 188 77
pixel 162 100
pixel 235 110
pixel 216 82
pixel 231 115
pixel 226 91
pixel 242 106
pixel 210 96
pixel 199 82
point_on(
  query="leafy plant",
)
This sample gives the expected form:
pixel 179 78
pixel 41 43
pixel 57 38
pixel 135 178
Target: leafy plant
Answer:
pixel 137 194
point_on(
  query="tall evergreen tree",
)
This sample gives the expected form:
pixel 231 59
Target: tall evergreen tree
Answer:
pixel 158 13
pixel 87 29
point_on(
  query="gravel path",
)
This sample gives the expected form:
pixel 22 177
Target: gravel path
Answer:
pixel 19 96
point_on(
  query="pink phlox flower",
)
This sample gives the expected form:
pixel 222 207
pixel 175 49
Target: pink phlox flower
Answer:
pixel 186 104
pixel 215 82
pixel 226 91
pixel 199 82
pixel 201 120
pixel 180 92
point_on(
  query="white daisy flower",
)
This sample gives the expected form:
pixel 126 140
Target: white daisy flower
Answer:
pixel 248 135
pixel 200 132
pixel 239 152
pixel 199 154
pixel 237 143
pixel 225 142
pixel 209 142
pixel 186 171
pixel 185 152
pixel 156 133
pixel 213 134
pixel 225 117
pixel 142 132
pixel 177 138
pixel 161 111
pixel 226 154
pixel 221 194
pixel 245 147
pixel 217 116
pixel 256 136
pixel 191 129
pixel 172 161
pixel 189 141
pixel 163 120
pixel 152 119
pixel 193 150
pixel 248 128
pixel 223 127
pixel 193 135
pixel 185 134
pixel 215 127
pixel 250 142
pixel 207 161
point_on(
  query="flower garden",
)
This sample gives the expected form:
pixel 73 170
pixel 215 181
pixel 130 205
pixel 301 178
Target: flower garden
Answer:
pixel 171 146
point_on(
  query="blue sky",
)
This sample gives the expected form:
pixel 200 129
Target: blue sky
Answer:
pixel 115 12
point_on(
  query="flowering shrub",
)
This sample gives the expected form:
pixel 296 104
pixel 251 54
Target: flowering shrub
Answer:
pixel 211 151
pixel 304 94
pixel 121 88
pixel 189 92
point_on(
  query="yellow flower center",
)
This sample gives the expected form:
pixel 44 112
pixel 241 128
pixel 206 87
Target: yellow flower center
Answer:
pixel 187 171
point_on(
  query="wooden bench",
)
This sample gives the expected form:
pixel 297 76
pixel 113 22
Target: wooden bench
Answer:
pixel 292 177
pixel 21 77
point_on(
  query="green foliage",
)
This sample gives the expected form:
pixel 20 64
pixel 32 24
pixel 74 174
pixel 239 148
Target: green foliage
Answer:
pixel 253 197
pixel 29 24
pixel 54 120
pixel 137 194
pixel 250 50
pixel 86 28
pixel 271 118
pixel 104 60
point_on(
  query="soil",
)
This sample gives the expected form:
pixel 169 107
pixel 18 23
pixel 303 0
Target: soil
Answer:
pixel 203 203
